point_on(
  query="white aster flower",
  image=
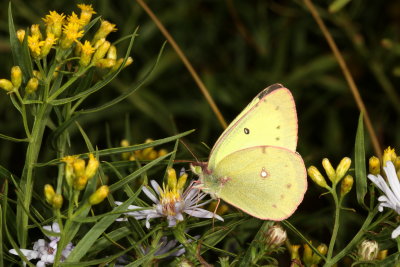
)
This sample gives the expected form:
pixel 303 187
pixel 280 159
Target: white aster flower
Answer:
pixel 46 251
pixel 391 196
pixel 171 203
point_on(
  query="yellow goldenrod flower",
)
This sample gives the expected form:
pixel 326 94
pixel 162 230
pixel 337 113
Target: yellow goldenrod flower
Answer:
pixel 323 249
pixel 330 171
pixel 101 51
pixel 317 177
pixel 275 236
pixel 35 31
pixel 112 52
pixel 92 166
pixel 307 255
pixel 294 252
pixel 105 29
pixel 346 185
pixel 79 167
pixel 98 43
pixel 71 33
pixel 57 201
pixel 16 76
pixel 80 182
pixel 374 165
pixel 35 45
pixel 128 62
pixel 99 195
pixel 342 168
pixel 125 155
pixel 86 13
pixel 382 254
pixel 48 44
pixel 171 177
pixel 368 250
pixel 86 53
pixel 388 155
pixel 54 22
pixel 105 63
pixel 32 85
pixel 21 35
pixel 49 193
pixel 6 85
pixel 74 19
pixel 69 169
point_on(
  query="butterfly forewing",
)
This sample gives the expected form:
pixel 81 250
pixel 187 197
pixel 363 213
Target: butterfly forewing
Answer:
pixel 266 182
pixel 270 119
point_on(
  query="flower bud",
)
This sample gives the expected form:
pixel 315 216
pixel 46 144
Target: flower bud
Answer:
pixel 21 35
pixel 79 167
pixel 342 168
pixel 162 152
pixel 48 44
pixel 388 155
pixel 105 29
pixel 35 31
pixel 307 255
pixel 171 178
pixel 101 51
pixel 16 76
pixel 294 252
pixel 105 63
pixel 92 166
pixel 99 195
pixel 112 52
pixel 32 85
pixel 368 250
pixel 382 254
pixel 275 236
pixel 181 181
pixel 80 182
pixel 323 249
pixel 128 62
pixel 6 85
pixel 86 13
pixel 49 193
pixel 374 165
pixel 317 177
pixel 346 185
pixel 69 169
pixel 86 53
pixel 329 169
pixel 57 201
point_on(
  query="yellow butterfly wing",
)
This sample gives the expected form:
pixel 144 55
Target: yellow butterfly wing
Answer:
pixel 270 119
pixel 264 181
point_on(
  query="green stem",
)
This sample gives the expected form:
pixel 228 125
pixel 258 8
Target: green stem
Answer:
pixel 354 241
pixel 26 184
pixel 336 224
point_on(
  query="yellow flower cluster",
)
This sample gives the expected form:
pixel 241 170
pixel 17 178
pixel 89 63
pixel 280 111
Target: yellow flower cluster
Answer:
pixel 77 173
pixel 55 200
pixel 146 154
pixel 63 32
pixel 16 81
pixel 389 154
pixel 335 176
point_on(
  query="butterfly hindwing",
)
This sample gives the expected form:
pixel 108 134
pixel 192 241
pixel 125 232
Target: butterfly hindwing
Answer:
pixel 266 182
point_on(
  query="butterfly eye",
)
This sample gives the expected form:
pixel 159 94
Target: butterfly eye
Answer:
pixel 246 131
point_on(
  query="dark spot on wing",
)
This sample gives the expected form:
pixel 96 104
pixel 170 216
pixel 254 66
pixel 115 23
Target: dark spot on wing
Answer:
pixel 278 127
pixel 246 131
pixel 288 186
pixel 277 139
pixel 274 206
pixel 277 108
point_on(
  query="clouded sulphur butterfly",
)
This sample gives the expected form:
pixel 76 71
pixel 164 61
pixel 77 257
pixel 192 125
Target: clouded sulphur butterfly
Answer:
pixel 254 165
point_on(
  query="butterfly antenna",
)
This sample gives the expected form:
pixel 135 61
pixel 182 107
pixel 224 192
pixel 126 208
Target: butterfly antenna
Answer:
pixel 188 149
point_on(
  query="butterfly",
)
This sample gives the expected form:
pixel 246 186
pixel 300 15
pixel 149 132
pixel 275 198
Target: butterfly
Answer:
pixel 254 165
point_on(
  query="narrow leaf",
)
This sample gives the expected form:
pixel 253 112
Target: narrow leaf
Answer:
pixel 360 169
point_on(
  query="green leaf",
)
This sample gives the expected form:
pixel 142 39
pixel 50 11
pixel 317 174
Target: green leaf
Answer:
pixel 13 139
pixel 359 162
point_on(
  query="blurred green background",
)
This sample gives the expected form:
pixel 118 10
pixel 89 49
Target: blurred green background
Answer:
pixel 238 48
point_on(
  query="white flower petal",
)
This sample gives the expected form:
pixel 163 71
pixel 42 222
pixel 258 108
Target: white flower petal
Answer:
pixel 40 264
pixel 201 213
pixel 396 232
pixel 150 195
pixel 55 227
pixel 156 186
pixel 393 180
pixel 29 254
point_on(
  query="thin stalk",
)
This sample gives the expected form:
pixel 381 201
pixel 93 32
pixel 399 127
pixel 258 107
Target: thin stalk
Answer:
pixel 354 241
pixel 185 61
pixel 26 184
pixel 346 73
pixel 335 225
